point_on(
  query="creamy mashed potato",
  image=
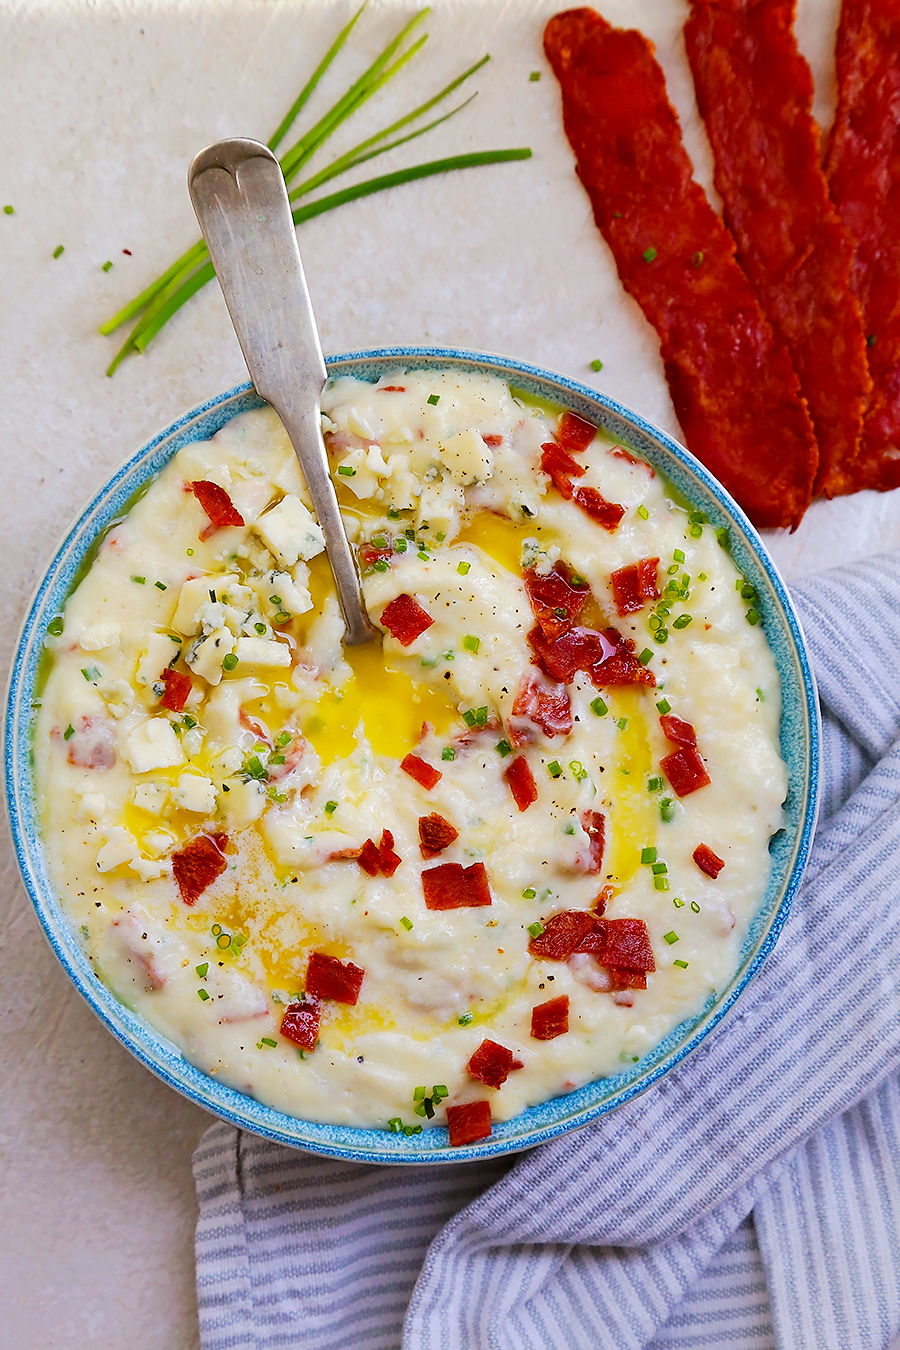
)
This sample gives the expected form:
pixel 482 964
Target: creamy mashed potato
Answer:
pixel 256 864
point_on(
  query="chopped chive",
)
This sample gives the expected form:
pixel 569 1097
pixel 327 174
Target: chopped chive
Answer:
pixel 535 929
pixel 189 722
pixel 407 923
pixel 429 662
pixel 647 655
pixel 380 565
pixel 643 512
pixel 577 770
pixel 529 893
pixel 260 627
pixel 448 752
pixel 679 904
pixel 275 600
pixel 160 586
pixel 401 545
pixel 465 1019
pixel 648 855
pixel 229 662
pixel 107 266
pixel 141 581
pixel 659 868
pixel 682 621
pixel 55 626
pixel 471 644
pixel 203 994
pixel 534 76
pixel 463 568
pixel 569 829
pixel 697 259
pixel 426 557
pixel 90 673
pixel 682 965
pixel 419 1094
pixel 503 748
pixel 672 569
pixel 722 536
pixel 649 254
pixel 599 707
pixel 58 251
pixel 395 1125
pixel 596 365
pixel 696 531
pixel 752 616
pixel 346 471
pixel 434 399
pixel 695 907
pixel 267 1040
pixel 282 739
pixel 216 929
pixel 202 969
pixel 409 1130
pixel 661 635
pixel 667 809
pixel 439 1092
pixel 190 552
pixel 749 592
pixel 212 596
pixel 330 808
pixel 69 732
pixel 282 616
pixel 671 938
pixel 678 555
pixel 9 210
pixel 663 707
pixel 622 723
pixel 761 696
pixel 554 768
pixel 654 785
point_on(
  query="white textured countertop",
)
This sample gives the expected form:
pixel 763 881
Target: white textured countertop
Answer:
pixel 102 106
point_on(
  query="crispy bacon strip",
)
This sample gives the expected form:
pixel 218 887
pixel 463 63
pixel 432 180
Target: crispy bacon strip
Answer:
pixel 863 169
pixel 521 783
pixel 563 934
pixel 555 601
pixel 421 771
pixel 560 468
pixel 574 432
pixel 678 731
pixel 178 688
pixel 405 619
pixel 327 977
pixel 388 860
pixel 217 504
pixel 685 770
pixel 452 886
pixel 468 1122
pixel 733 386
pixel 300 1024
pixel 539 703
pixel 595 505
pixel 634 585
pixel 197 864
pixel 550 1019
pixel 608 658
pixel 491 1064
pixel 707 861
pixel 435 834
pixel 627 946
pixel 754 92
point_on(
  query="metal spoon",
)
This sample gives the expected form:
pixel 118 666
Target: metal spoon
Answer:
pixel 239 194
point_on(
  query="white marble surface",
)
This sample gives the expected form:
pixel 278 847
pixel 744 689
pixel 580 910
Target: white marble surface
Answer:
pixel 102 105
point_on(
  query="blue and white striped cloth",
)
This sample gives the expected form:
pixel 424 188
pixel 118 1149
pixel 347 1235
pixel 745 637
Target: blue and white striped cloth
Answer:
pixel 751 1200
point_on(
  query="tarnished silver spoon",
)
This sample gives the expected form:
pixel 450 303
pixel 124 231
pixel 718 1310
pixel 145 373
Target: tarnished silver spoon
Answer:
pixel 239 194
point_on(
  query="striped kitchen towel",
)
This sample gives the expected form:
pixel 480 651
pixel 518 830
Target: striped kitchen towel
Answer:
pixel 750 1200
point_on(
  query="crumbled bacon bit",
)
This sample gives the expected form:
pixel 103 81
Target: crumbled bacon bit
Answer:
pixel 368 857
pixel 300 1024
pixel 422 772
pixel 539 703
pixel 326 977
pixel 602 900
pixel 435 834
pixel 574 432
pixel 369 555
pixel 634 585
pixel 91 746
pixel 608 658
pixel 595 505
pixel 550 1019
pixel 707 861
pixel 178 688
pixel 560 468
pixel 492 440
pixel 218 506
pixel 405 619
pixel 594 940
pixel 468 1122
pixel 388 860
pixel 594 826
pixel 563 933
pixel 685 770
pixel 555 602
pixel 491 1064
pixel 197 864
pixel 452 886
pixel 392 389
pixel 677 730
pixel 521 782
pixel 627 946
pixel 250 724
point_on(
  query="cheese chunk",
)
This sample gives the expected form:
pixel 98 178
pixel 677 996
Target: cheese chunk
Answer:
pixel 262 652
pixel 195 792
pixel 290 532
pixel 153 745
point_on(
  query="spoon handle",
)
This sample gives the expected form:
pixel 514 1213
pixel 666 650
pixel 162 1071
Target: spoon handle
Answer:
pixel 239 194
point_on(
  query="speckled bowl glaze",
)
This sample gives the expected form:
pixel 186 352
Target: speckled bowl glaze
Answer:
pixel 789 848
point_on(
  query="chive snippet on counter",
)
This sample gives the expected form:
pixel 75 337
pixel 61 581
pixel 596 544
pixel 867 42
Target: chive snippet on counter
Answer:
pixel 154 307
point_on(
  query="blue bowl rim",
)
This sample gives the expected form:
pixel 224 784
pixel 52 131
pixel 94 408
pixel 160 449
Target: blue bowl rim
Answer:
pixel 346 1142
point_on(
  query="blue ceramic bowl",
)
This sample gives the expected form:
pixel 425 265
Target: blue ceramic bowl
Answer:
pixel 789 848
